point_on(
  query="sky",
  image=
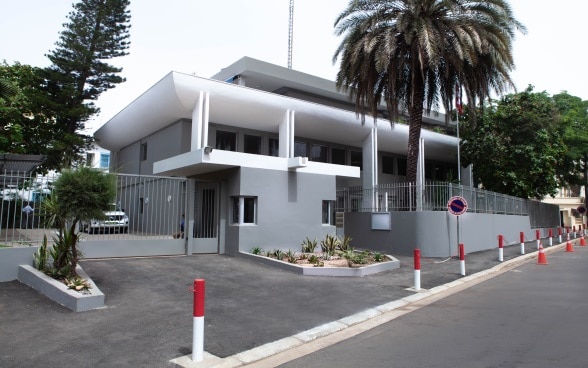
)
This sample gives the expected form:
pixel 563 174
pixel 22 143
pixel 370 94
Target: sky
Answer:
pixel 201 37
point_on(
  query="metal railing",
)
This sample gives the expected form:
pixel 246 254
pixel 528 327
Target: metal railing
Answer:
pixel 434 196
pixel 154 206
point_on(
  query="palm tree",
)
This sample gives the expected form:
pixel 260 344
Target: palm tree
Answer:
pixel 412 54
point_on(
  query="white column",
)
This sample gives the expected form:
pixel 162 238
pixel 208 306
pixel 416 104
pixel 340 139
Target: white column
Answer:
pixel 370 168
pixel 287 135
pixel 200 116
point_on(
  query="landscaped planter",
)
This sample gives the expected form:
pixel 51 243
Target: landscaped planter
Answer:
pixel 356 271
pixel 59 292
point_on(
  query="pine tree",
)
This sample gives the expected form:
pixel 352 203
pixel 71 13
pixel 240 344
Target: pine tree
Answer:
pixel 98 30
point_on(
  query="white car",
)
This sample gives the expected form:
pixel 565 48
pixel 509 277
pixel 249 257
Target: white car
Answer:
pixel 114 221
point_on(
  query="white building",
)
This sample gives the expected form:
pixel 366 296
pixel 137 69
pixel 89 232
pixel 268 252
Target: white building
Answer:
pixel 266 149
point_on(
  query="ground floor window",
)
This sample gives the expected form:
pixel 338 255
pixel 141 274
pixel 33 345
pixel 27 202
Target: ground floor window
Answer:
pixel 328 217
pixel 244 210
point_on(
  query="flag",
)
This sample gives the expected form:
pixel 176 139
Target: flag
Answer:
pixel 458 102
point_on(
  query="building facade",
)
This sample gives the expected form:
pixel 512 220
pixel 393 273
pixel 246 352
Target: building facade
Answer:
pixel 265 149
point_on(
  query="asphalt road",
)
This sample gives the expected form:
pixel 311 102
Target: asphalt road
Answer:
pixel 148 316
pixel 531 316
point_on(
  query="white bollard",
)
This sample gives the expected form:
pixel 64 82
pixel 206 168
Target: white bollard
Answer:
pixel 198 332
pixel 417 269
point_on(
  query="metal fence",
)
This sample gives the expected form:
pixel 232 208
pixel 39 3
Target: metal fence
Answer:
pixel 434 196
pixel 153 205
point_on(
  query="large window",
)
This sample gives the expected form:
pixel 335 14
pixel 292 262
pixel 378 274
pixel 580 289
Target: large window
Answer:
pixel 402 166
pixel 319 153
pixel 244 210
pixel 252 144
pixel 300 149
pixel 338 156
pixel 226 140
pixel 388 165
pixel 357 159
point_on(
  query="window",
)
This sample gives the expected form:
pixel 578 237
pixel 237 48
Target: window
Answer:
pixel 402 166
pixel 318 153
pixel 388 165
pixel 300 149
pixel 357 159
pixel 338 156
pixel 244 210
pixel 252 144
pixel 226 140
pixel 90 159
pixel 327 215
pixel 143 151
pixel 274 147
pixel 104 160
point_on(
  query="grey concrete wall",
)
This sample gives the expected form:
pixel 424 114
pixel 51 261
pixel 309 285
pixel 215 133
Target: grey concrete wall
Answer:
pixel 435 233
pixel 128 160
pixel 289 209
pixel 170 141
pixel 11 258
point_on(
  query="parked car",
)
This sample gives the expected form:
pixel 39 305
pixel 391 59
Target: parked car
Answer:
pixel 114 221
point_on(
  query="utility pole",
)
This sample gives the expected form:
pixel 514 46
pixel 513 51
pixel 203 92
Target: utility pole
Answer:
pixel 290 34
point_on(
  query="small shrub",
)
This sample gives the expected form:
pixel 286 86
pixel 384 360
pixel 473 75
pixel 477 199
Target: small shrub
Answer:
pixel 77 283
pixel 378 257
pixel 279 254
pixel 345 243
pixel 349 255
pixel 308 246
pixel 256 250
pixel 291 256
pixel 329 244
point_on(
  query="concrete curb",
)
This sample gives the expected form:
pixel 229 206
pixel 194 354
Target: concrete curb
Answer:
pixel 58 292
pixel 269 355
pixel 392 263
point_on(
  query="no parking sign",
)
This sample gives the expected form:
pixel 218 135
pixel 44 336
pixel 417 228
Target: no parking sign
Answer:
pixel 457 205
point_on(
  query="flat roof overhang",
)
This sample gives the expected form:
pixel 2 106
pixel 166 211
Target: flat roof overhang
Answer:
pixel 175 96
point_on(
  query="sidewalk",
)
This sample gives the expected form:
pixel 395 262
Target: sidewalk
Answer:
pixel 148 318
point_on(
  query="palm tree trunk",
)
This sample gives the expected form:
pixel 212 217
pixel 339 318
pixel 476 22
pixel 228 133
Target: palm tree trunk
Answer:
pixel 414 134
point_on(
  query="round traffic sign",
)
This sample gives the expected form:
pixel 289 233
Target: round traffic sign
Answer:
pixel 457 205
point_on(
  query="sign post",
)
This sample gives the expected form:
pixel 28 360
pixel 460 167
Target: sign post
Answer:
pixel 457 206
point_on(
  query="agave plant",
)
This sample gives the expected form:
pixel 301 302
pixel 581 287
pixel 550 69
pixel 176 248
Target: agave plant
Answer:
pixel 329 244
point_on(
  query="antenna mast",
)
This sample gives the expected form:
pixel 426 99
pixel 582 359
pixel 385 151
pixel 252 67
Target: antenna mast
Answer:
pixel 290 34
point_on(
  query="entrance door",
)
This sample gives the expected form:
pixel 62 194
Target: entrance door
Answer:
pixel 206 217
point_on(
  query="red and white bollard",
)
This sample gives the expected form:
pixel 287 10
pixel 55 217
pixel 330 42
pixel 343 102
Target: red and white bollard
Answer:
pixel 550 237
pixel 567 233
pixel 559 234
pixel 522 242
pixel 574 231
pixel 500 248
pixel 461 260
pixel 538 238
pixel 417 269
pixel 198 333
